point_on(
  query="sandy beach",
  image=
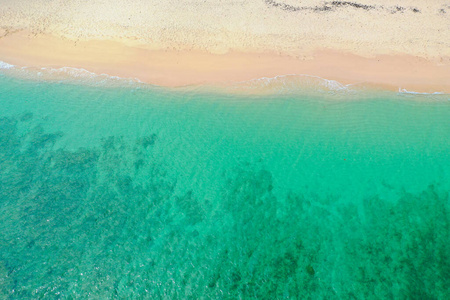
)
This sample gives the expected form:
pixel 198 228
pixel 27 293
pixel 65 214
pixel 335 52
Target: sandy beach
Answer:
pixel 209 42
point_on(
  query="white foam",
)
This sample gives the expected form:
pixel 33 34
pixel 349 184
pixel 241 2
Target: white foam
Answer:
pixel 65 74
pixel 290 83
pixel 4 65
pixel 81 73
pixel 287 83
pixel 405 91
pixel 327 83
pixel 73 72
pixel 62 73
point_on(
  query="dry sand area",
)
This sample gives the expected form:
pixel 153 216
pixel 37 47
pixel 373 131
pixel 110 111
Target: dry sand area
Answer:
pixel 391 43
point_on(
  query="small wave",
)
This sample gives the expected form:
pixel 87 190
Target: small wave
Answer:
pixel 4 65
pixel 74 72
pixel 289 79
pixel 304 83
pixel 290 84
pixel 405 91
pixel 67 74
pixel 80 73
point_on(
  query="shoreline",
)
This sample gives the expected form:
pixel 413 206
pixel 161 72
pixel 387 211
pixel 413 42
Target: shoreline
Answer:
pixel 172 68
pixel 278 86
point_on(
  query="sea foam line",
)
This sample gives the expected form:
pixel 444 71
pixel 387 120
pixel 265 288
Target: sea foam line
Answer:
pixel 405 91
pixel 4 65
pixel 79 73
pixel 328 83
pixel 83 73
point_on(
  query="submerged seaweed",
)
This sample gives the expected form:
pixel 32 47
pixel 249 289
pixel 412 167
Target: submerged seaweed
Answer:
pixel 333 5
pixel 108 222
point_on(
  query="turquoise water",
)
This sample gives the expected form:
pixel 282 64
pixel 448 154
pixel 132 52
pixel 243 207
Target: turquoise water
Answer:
pixel 132 192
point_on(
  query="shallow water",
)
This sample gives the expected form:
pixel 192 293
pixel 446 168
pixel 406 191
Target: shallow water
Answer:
pixel 131 192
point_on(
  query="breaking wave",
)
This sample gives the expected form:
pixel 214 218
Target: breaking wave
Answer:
pixel 66 74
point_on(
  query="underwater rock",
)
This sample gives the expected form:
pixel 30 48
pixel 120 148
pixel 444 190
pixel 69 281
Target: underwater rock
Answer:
pixel 310 270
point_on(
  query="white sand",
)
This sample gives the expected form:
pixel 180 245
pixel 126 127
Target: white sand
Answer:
pixel 244 25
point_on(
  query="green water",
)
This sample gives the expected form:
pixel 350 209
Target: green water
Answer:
pixel 132 193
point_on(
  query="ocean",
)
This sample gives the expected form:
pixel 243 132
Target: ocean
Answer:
pixel 132 191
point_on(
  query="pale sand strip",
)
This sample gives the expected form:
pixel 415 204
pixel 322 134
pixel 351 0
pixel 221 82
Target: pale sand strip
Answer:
pixel 291 27
pixel 178 68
